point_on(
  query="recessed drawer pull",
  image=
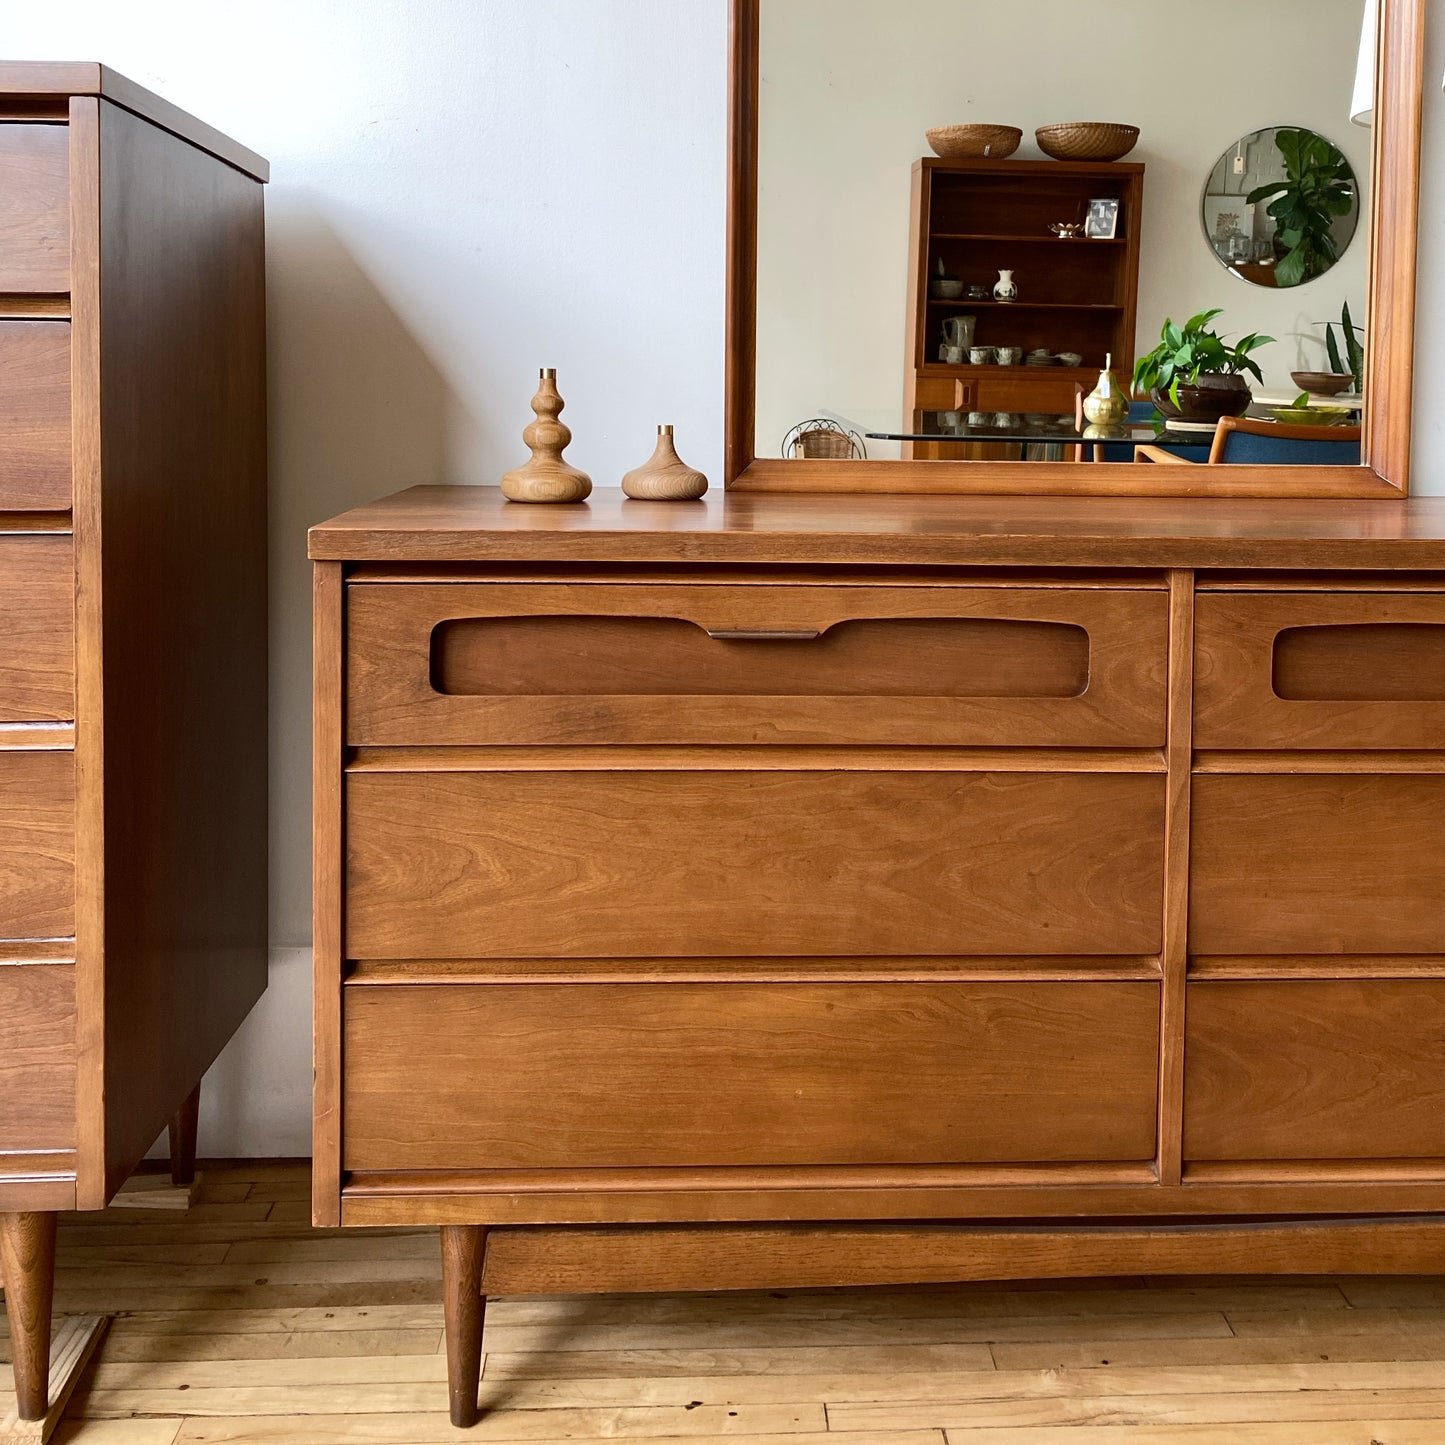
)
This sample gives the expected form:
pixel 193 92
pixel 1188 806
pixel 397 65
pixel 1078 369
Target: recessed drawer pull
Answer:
pixel 747 635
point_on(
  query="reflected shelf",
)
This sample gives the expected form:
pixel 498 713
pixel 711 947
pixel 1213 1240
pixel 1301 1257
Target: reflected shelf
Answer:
pixel 1079 241
pixel 965 304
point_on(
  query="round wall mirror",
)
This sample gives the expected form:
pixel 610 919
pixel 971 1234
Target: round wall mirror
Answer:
pixel 1281 207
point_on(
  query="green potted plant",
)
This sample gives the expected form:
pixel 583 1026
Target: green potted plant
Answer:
pixel 1351 361
pixel 1195 375
pixel 1319 188
pixel 1347 360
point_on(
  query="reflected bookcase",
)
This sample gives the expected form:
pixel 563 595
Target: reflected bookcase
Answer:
pixel 1077 296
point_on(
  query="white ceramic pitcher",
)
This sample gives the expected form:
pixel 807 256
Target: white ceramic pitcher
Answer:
pixel 958 331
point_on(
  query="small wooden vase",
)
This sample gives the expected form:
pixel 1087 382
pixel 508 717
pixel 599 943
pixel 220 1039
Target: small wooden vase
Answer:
pixel 547 478
pixel 666 477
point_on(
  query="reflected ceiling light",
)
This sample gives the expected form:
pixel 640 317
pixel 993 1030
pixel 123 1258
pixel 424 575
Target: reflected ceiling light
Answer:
pixel 1362 104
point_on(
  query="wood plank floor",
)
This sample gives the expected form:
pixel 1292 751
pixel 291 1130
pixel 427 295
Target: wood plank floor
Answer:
pixel 238 1322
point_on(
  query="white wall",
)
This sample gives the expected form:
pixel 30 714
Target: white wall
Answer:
pixel 850 88
pixel 465 190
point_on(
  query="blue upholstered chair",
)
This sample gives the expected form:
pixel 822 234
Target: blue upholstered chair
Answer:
pixel 1245 441
pixel 1139 411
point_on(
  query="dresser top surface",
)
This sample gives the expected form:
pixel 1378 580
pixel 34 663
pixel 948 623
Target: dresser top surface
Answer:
pixel 477 524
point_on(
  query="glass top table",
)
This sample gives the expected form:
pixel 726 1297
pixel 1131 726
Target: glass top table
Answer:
pixel 954 426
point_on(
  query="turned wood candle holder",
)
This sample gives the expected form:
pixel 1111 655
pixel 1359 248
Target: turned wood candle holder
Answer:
pixel 666 477
pixel 546 477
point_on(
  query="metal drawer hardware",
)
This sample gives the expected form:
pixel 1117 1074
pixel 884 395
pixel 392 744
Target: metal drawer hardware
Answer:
pixel 732 635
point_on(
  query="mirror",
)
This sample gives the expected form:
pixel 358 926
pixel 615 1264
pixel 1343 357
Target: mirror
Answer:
pixel 940 278
pixel 1281 207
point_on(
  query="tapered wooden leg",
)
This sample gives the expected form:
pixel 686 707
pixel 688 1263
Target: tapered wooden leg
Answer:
pixel 464 1247
pixel 183 1140
pixel 27 1260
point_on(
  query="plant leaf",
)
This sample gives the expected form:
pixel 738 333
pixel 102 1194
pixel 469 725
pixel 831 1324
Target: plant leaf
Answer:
pixel 1290 270
pixel 1269 188
pixel 1337 364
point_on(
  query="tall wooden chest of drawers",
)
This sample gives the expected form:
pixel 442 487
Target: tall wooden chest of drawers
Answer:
pixel 808 890
pixel 132 642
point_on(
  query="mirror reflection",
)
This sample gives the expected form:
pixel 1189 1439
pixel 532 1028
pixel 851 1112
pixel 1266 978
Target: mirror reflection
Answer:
pixel 1281 206
pixel 974 246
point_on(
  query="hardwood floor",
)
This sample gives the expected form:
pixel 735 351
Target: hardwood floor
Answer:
pixel 237 1322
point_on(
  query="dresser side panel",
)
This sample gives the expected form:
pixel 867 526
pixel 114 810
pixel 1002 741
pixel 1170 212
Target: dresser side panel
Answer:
pixel 180 517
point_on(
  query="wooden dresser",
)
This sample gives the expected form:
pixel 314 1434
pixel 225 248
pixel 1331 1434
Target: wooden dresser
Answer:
pixel 132 643
pixel 802 890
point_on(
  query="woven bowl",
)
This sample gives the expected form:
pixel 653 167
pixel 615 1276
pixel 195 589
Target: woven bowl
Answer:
pixel 975 142
pixel 1087 141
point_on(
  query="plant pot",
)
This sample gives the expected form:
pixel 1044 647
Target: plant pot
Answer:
pixel 1209 399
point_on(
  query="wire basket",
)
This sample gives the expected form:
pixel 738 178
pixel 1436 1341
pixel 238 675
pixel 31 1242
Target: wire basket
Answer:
pixel 821 440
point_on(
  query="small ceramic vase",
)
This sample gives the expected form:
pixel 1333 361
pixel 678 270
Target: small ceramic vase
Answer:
pixel 1005 289
pixel 1108 404
pixel 666 477
pixel 547 478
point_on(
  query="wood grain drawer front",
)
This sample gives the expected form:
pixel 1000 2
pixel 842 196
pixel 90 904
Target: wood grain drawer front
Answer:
pixel 1319 1070
pixel 943 393
pixel 37 1058
pixel 1318 864
pixel 37 629
pixel 34 415
pixel 37 845
pixel 732 864
pixel 561 1076
pixel 1039 393
pixel 1320 670
pixel 34 208
pixel 521 664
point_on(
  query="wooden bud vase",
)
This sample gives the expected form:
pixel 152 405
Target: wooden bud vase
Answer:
pixel 547 478
pixel 666 477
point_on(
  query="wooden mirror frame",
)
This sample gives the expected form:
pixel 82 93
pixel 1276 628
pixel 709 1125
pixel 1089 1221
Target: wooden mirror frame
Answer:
pixel 1394 230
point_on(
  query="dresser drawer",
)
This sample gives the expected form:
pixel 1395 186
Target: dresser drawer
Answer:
pixel 37 1058
pixel 34 416
pixel 943 392
pixel 544 663
pixel 1333 670
pixel 496 1076
pixel 1347 1069
pixel 1040 392
pixel 37 629
pixel 609 864
pixel 37 844
pixel 34 208
pixel 1318 864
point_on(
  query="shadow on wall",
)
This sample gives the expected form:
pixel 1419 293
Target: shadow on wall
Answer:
pixel 357 410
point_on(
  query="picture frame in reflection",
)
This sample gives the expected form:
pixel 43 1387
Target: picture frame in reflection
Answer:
pixel 1103 220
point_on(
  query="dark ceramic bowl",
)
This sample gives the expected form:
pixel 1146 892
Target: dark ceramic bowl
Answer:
pixel 1211 399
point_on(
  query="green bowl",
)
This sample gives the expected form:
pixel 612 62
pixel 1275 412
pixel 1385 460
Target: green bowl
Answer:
pixel 1311 415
